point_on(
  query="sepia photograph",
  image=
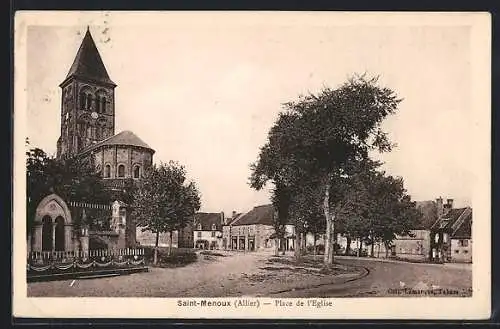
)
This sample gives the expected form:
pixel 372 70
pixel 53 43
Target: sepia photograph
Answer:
pixel 257 164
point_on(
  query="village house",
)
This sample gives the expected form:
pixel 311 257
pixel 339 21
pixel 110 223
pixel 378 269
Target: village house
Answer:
pixel 87 130
pixel 254 231
pixel 251 231
pixel 180 239
pixel 207 230
pixel 451 239
pixel 443 234
pixel 226 229
pixel 147 238
pixel 186 237
pixel 415 245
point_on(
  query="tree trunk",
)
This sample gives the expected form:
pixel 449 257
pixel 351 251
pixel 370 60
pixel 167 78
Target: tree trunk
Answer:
pixel 170 244
pixel 155 255
pixel 358 246
pixel 372 247
pixel 276 247
pixel 314 245
pixel 386 250
pixel 327 260
pixel 348 245
pixel 298 245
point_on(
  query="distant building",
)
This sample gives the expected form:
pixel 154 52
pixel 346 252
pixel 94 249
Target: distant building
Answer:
pixel 451 239
pixel 148 238
pixel 207 230
pixel 251 231
pixel 443 234
pixel 182 239
pixel 416 245
pixel 185 237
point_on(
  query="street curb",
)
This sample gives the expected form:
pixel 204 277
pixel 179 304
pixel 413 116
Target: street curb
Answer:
pixel 465 266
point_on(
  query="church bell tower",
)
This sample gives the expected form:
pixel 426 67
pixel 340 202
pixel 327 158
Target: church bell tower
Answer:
pixel 88 102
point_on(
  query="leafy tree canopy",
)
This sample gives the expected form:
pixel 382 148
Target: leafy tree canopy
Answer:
pixel 74 179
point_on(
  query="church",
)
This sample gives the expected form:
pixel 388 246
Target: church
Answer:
pixel 88 130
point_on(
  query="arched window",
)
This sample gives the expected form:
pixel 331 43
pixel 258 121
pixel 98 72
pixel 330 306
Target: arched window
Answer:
pixel 98 104
pixel 83 101
pixel 89 101
pixel 103 104
pixel 121 171
pixel 107 171
pixel 137 171
pixel 89 131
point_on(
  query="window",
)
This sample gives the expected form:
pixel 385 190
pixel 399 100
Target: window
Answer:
pixel 103 104
pixel 456 251
pixel 137 171
pixel 121 171
pixel 213 227
pixel 199 234
pixel 107 171
pixel 213 234
pixel 463 243
pixel 466 251
pixel 88 104
pixel 83 101
pixel 199 227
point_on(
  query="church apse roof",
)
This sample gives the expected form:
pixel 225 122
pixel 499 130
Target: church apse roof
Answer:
pixel 124 138
pixel 88 62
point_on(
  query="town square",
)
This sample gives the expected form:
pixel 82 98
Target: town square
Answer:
pixel 154 177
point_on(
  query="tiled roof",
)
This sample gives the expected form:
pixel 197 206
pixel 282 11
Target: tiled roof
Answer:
pixel 88 63
pixel 229 221
pixel 206 219
pixel 457 221
pixel 258 215
pixel 464 231
pixel 124 138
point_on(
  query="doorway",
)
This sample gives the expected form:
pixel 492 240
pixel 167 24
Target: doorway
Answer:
pixel 46 233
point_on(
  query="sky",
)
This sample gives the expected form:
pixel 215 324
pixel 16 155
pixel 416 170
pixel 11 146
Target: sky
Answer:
pixel 206 94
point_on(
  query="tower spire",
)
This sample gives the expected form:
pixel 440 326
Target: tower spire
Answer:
pixel 88 63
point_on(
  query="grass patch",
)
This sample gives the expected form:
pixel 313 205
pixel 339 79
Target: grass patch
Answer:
pixel 211 253
pixel 311 262
pixel 258 277
pixel 409 260
pixel 178 258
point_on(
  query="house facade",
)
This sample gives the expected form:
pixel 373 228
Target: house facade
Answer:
pixel 415 245
pixel 251 231
pixel 451 239
pixel 207 230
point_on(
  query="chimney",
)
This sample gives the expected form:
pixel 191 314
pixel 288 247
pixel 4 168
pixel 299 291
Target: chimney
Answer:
pixel 234 214
pixel 222 218
pixel 450 203
pixel 448 206
pixel 439 206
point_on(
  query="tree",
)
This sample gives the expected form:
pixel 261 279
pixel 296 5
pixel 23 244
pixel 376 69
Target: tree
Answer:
pixel 319 135
pixel 163 202
pixel 281 200
pixel 394 213
pixel 73 179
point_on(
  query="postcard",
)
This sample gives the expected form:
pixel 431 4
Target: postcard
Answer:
pixel 252 165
